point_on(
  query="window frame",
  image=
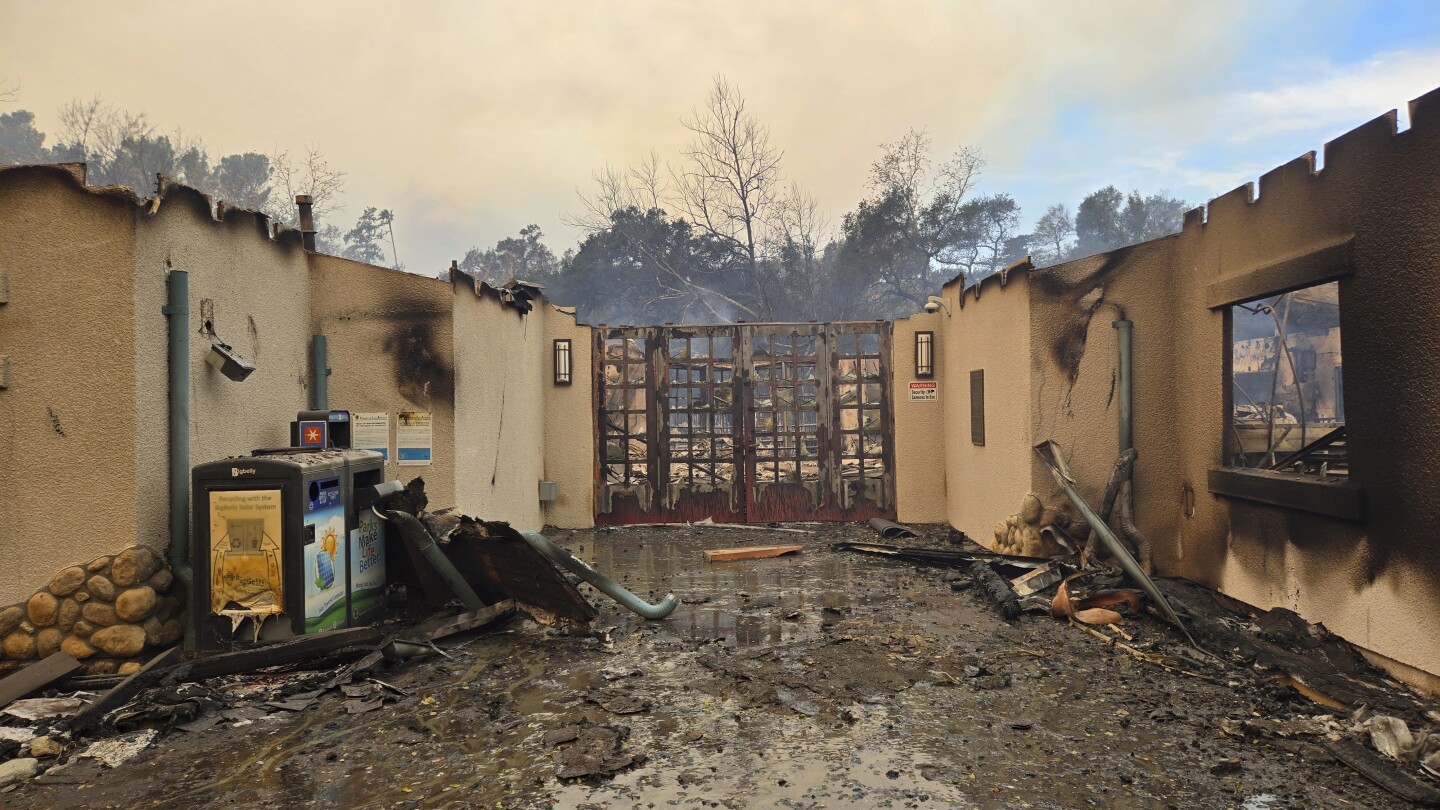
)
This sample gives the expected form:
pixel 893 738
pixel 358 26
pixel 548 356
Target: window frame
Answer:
pixel 1343 499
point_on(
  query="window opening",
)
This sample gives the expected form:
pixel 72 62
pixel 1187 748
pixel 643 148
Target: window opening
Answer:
pixel 1286 381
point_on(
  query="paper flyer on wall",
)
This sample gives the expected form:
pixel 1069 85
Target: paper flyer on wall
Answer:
pixel 371 431
pixel 412 439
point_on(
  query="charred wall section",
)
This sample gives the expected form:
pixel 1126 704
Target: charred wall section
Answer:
pixel 83 413
pixel 1376 580
pixel 389 336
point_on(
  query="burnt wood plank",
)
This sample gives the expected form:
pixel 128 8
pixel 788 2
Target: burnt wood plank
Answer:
pixel 750 553
pixel 124 691
pixel 35 676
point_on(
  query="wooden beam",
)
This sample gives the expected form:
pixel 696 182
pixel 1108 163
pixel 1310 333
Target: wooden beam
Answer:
pixel 125 690
pixel 35 676
pixel 751 553
pixel 281 652
pixel 459 624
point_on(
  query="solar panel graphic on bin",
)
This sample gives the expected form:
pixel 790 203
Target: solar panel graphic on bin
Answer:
pixel 324 570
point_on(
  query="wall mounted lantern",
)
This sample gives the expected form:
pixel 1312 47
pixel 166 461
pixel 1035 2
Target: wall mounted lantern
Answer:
pixel 924 354
pixel 562 361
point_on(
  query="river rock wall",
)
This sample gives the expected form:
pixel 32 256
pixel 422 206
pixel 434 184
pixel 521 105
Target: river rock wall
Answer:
pixel 111 613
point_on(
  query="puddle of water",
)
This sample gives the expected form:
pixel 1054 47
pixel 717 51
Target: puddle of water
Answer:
pixel 749 599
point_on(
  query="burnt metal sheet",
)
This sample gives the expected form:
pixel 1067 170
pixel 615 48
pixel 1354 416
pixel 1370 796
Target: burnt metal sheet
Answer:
pixel 743 422
pixel 497 562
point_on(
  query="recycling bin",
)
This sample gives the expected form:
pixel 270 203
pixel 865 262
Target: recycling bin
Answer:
pixel 285 544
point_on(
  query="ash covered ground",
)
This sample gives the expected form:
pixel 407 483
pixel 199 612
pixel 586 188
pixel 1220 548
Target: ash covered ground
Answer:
pixel 823 679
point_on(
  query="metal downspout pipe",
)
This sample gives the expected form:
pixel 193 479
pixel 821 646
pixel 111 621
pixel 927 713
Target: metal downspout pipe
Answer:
pixel 603 583
pixel 1124 336
pixel 1124 339
pixel 177 312
pixel 320 359
pixel 419 538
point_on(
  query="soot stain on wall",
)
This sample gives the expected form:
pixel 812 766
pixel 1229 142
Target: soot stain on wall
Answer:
pixel 423 373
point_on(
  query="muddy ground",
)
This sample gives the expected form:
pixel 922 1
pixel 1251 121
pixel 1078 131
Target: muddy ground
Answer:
pixel 824 679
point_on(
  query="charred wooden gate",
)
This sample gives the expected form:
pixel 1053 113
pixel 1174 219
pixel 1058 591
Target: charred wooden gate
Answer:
pixel 746 422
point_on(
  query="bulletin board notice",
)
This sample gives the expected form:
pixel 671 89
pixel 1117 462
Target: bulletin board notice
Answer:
pixel 413 438
pixel 371 431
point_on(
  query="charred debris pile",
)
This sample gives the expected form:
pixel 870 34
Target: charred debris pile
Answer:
pixel 461 577
pixel 1319 693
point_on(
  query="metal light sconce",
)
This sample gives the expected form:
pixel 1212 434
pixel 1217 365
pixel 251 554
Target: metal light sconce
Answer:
pixel 228 362
pixel 935 303
pixel 924 354
pixel 562 361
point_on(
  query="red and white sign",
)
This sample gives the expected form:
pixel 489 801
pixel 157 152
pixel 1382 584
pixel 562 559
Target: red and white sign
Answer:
pixel 925 391
pixel 312 434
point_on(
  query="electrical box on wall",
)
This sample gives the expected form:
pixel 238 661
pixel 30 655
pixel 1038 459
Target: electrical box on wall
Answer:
pixel 282 546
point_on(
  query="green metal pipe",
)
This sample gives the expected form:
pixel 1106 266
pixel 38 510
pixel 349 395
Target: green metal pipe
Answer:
pixel 177 314
pixel 419 538
pixel 603 583
pixel 1124 335
pixel 320 358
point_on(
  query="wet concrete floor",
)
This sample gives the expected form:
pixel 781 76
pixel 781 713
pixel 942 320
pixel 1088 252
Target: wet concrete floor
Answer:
pixel 824 679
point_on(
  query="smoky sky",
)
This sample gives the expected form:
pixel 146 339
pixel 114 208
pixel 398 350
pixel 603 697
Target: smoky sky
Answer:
pixel 472 119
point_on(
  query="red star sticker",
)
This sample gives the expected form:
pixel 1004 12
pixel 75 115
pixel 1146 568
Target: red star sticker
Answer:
pixel 312 435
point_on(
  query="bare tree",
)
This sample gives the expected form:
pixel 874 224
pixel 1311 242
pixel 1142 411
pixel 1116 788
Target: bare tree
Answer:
pixel 1051 239
pixel 8 92
pixel 798 234
pixel 310 174
pixel 729 185
pixel 80 121
pixel 642 188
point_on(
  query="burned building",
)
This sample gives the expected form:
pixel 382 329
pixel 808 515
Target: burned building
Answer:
pixel 1272 464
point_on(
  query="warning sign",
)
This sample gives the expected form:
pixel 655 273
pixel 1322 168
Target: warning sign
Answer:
pixel 924 391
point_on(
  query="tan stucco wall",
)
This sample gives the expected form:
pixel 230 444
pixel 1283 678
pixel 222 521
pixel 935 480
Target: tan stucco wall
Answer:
pixel 569 423
pixel 1374 582
pixel 984 485
pixel 920 448
pixel 500 367
pixel 1075 366
pixel 68 415
pixel 390 339
pixel 260 289
pixel 1378 583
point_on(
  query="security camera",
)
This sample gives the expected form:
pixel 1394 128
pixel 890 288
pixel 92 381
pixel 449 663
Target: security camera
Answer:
pixel 228 362
pixel 935 303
